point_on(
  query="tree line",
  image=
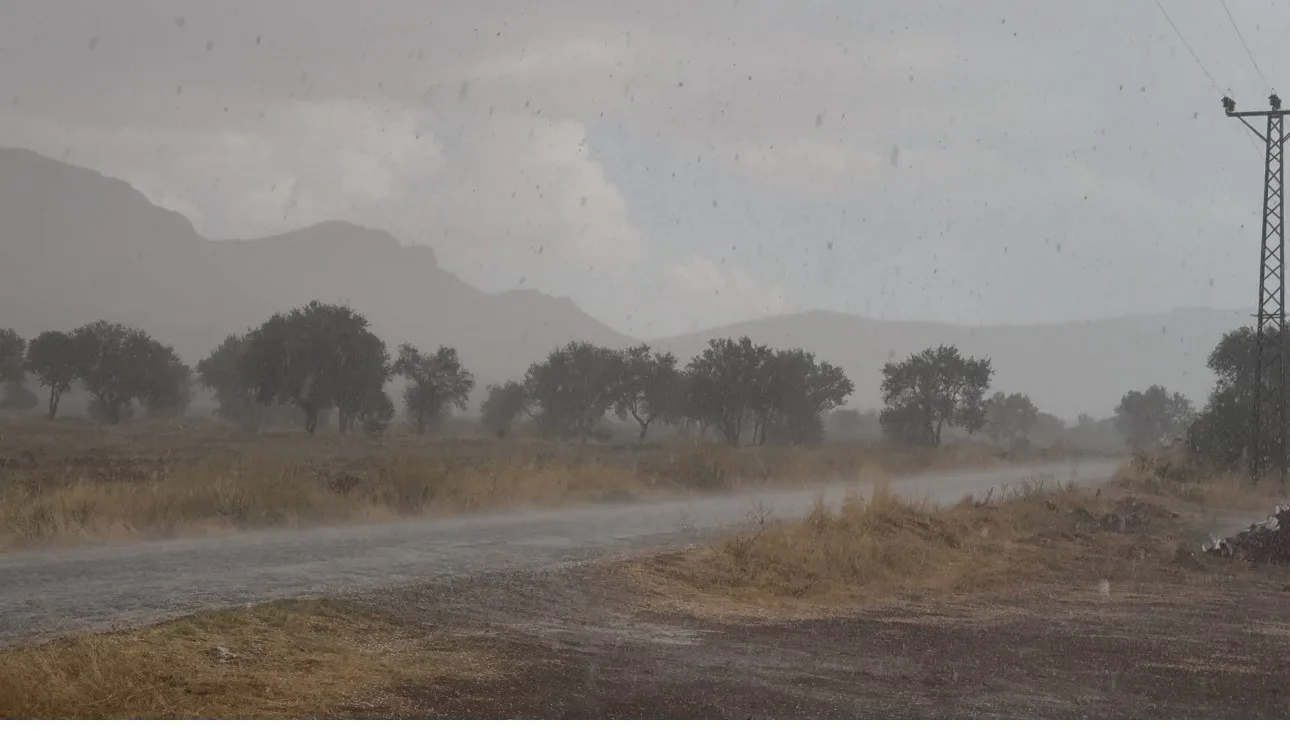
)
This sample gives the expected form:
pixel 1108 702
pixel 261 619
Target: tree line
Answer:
pixel 323 357
pixel 121 367
pixel 742 391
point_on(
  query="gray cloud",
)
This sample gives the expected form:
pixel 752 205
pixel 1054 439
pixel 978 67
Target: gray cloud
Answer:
pixel 673 166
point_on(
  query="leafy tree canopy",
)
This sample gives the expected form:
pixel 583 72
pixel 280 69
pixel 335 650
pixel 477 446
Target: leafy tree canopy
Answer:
pixel 435 382
pixel 318 356
pixel 932 389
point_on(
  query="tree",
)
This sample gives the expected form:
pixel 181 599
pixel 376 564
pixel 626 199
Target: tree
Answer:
pixel 932 389
pixel 573 388
pixel 1221 433
pixel 1091 434
pixel 1009 417
pixel 175 391
pixel 376 413
pixel 651 388
pixel 727 385
pixel 847 422
pixel 1046 430
pixel 315 357
pixel 16 396
pixel 120 365
pixel 227 373
pixel 54 359
pixel 853 424
pixel 795 394
pixel 13 350
pixel 503 404
pixel 436 381
pixel 1149 417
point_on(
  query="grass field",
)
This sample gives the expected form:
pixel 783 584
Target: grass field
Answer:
pixel 68 481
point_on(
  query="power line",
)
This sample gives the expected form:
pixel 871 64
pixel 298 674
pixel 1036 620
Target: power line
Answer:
pixel 1245 45
pixel 1196 58
pixel 1187 45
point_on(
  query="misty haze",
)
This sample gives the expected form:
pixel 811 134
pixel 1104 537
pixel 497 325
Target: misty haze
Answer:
pixel 632 360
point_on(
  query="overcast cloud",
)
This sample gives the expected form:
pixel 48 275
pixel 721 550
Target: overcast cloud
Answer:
pixel 678 165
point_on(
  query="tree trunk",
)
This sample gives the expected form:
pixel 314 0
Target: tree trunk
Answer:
pixel 345 418
pixel 641 438
pixel 311 419
pixel 421 423
pixel 54 396
pixel 731 431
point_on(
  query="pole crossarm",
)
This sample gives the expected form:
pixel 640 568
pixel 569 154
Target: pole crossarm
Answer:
pixel 1270 112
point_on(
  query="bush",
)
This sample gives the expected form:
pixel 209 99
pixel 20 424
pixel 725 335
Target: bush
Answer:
pixel 18 397
pixel 700 467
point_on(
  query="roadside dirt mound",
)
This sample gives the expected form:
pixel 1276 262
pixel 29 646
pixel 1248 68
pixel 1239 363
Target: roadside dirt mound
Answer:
pixel 1266 542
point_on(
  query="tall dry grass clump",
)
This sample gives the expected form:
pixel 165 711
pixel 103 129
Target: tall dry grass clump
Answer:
pixel 291 659
pixel 884 547
pixel 64 483
pixel 1170 473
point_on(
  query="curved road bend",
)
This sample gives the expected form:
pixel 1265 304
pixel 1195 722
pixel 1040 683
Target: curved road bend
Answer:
pixel 49 592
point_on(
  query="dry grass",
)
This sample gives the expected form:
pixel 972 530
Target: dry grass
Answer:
pixel 65 483
pixel 285 660
pixel 885 547
pixel 1170 474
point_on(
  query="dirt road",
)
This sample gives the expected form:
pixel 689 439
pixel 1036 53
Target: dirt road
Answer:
pixel 50 592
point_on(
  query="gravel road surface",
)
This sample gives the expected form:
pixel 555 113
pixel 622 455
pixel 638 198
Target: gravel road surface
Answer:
pixel 54 591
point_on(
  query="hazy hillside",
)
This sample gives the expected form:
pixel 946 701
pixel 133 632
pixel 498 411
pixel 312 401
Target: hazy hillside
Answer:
pixel 75 245
pixel 1068 369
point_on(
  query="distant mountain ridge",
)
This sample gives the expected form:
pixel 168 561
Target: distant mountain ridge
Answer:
pixel 76 245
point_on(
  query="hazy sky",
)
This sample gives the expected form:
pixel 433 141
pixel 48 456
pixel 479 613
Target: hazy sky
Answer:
pixel 673 165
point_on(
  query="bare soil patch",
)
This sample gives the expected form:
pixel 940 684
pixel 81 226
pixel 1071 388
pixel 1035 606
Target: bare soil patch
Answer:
pixel 1184 644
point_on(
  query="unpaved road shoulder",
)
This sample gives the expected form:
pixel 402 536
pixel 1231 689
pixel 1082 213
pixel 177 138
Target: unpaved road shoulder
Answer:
pixel 1182 644
pixel 50 592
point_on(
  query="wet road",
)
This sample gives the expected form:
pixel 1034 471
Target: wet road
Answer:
pixel 50 592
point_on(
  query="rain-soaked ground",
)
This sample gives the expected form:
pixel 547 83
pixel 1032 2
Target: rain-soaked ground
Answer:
pixel 48 592
pixel 1209 640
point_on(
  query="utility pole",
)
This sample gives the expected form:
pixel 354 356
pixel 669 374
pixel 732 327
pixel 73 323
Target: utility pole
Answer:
pixel 1270 358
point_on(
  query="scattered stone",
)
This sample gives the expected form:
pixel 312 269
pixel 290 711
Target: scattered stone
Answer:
pixel 1186 558
pixel 1266 542
pixel 222 654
